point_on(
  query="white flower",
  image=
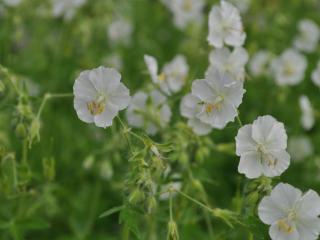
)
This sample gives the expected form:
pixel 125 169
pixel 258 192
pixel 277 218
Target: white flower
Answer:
pixel 12 3
pixel 99 96
pixel 173 76
pixel 300 147
pixel 262 148
pixel 165 195
pixel 316 75
pixel 189 107
pixel 230 62
pixel 289 68
pixel 220 97
pixel 185 11
pixel 225 26
pixel 307 117
pixel 308 38
pixel 120 31
pixel 66 8
pixel 259 63
pixel 149 112
pixel 291 214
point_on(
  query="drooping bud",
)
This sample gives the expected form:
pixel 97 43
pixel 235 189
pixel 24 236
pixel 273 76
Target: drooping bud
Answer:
pixel 173 233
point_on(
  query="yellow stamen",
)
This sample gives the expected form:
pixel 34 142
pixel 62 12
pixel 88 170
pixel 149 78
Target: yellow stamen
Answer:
pixel 284 226
pixel 162 77
pixel 95 108
pixel 288 70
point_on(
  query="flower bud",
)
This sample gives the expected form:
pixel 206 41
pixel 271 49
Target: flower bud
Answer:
pixel 34 131
pixel 173 233
pixel 21 130
pixel 151 204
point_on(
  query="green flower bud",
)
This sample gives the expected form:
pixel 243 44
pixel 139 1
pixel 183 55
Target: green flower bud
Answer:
pixel 34 131
pixel 21 130
pixel 173 233
pixel 151 204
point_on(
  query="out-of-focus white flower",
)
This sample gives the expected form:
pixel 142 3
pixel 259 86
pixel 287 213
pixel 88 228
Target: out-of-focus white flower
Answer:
pixel 185 11
pixel 120 31
pixel 220 96
pixel 242 5
pixel 316 75
pixel 300 147
pixel 165 194
pixel 262 148
pixel 150 112
pixel 291 214
pixel 259 63
pixel 230 62
pixel 225 26
pixel 66 8
pixel 106 170
pixel 190 106
pixel 12 3
pixel 307 117
pixel 173 76
pixel 99 96
pixel 114 60
pixel 289 68
pixel 308 38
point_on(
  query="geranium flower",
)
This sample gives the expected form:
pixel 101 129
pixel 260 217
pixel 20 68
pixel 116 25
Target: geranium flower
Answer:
pixel 225 26
pixel 230 62
pixel 66 8
pixel 300 147
pixel 120 31
pixel 307 117
pixel 291 214
pixel 149 111
pixel 289 68
pixel 185 11
pixel 262 148
pixel 189 107
pixel 99 96
pixel 173 76
pixel 308 38
pixel 259 63
pixel 220 96
pixel 316 75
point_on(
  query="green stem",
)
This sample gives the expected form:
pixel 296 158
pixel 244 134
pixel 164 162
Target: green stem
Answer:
pixel 194 200
pixel 239 121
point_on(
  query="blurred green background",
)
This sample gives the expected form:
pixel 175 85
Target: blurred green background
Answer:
pixel 56 196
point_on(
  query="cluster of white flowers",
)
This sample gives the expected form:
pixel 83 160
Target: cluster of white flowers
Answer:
pixel 309 35
pixel 185 11
pixel 291 214
pixel 66 8
pixel 173 75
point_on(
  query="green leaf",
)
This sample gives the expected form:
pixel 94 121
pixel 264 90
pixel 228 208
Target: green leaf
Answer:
pixel 129 217
pixel 111 211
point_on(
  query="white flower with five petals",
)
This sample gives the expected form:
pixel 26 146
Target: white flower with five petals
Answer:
pixel 231 62
pixel 259 64
pixel 291 214
pixel 262 148
pixel 225 26
pixel 220 96
pixel 99 96
pixel 289 68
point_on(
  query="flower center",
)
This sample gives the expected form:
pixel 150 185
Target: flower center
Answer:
pixel 162 77
pixel 97 106
pixel 288 70
pixel 266 157
pixel 284 226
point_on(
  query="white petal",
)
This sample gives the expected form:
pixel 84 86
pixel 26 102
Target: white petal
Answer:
pixel 189 106
pixel 105 118
pixel 282 163
pixel 120 97
pixel 199 127
pixel 244 141
pixel 202 90
pixel 152 66
pixel 309 229
pixel 105 80
pixel 269 211
pixel 285 196
pixel 81 108
pixel 276 234
pixel 249 165
pixel 310 205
